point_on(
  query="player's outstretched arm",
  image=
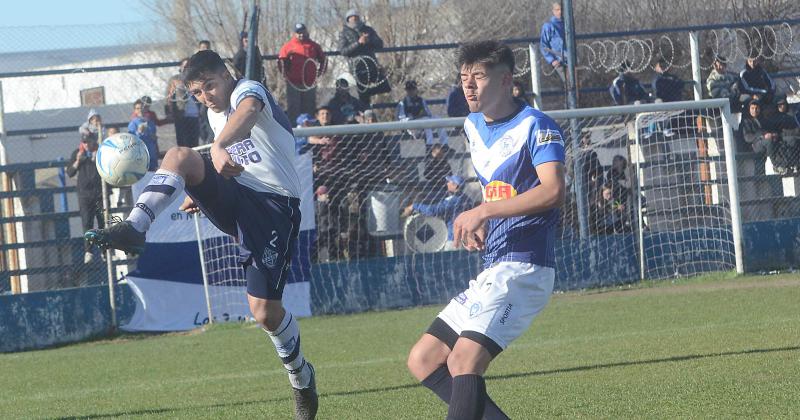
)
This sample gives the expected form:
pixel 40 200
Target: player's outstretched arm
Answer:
pixel 238 127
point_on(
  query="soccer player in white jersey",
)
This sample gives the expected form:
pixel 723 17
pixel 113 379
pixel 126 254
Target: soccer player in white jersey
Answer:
pixel 249 189
pixel 518 156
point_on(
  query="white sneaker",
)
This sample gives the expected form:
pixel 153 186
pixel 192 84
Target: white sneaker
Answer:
pixel 88 257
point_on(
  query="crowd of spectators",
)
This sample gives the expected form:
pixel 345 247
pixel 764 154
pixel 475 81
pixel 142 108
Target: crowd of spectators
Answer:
pixel 346 166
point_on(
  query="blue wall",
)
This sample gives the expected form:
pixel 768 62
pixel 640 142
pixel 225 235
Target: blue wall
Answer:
pixel 42 319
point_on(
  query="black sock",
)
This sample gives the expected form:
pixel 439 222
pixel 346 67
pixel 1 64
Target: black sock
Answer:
pixel 441 383
pixel 468 399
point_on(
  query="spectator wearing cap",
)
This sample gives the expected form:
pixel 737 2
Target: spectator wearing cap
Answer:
pixel 143 125
pixel 448 208
pixel 240 60
pixel 345 107
pixel 302 144
pixel 414 107
pixel 625 88
pixel 301 61
pixel 358 42
pixel 667 87
pixel 755 82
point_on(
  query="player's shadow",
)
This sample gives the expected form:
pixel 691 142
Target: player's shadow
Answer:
pixel 670 359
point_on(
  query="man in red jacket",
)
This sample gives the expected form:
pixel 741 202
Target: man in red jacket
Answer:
pixel 301 61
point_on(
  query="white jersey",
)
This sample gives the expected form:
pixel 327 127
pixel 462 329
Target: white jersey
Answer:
pixel 268 156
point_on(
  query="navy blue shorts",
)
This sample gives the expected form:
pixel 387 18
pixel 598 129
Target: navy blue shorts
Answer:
pixel 265 224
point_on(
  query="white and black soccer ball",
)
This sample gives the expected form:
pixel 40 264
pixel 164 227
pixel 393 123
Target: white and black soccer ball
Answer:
pixel 122 159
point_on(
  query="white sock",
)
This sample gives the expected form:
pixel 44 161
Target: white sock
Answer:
pixel 159 193
pixel 286 339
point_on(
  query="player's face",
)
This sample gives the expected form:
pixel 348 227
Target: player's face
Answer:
pixel 212 90
pixel 485 88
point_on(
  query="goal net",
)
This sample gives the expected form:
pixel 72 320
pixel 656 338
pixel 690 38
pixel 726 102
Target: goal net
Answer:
pixel 648 197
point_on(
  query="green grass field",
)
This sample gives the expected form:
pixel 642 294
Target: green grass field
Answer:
pixel 714 347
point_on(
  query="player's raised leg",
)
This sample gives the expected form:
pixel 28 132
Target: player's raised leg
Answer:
pixel 181 167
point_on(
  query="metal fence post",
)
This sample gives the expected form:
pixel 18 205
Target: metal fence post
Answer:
pixel 694 46
pixel 252 40
pixel 9 229
pixel 203 265
pixel 536 77
pixel 109 253
pixel 733 186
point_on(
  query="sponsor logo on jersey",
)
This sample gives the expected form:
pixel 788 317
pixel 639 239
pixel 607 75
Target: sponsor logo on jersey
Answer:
pixel 506 314
pixel 475 309
pixel 461 298
pixel 244 152
pixel 498 190
pixel 547 136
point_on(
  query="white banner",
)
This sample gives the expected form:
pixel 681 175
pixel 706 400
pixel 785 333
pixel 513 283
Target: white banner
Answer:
pixel 172 306
pixel 168 281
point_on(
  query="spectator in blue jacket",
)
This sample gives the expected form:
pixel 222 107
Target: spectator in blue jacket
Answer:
pixel 552 44
pixel 667 87
pixel 414 107
pixel 145 128
pixel 451 206
pixel 626 89
pixel 456 101
pixel 755 82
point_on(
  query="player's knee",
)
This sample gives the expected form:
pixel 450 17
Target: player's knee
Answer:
pixel 418 361
pixel 178 154
pixel 267 316
pixel 461 363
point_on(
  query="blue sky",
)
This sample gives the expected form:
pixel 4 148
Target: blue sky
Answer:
pixel 30 25
pixel 71 12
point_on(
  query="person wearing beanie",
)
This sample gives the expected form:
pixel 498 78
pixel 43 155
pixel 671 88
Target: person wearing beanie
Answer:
pixel 358 42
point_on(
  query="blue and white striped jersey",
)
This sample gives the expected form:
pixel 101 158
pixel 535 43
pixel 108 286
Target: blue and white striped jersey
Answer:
pixel 505 154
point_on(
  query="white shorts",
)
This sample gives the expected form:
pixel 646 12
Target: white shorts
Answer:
pixel 502 302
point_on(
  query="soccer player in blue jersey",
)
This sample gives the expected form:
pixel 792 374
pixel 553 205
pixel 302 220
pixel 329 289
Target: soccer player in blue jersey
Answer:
pixel 249 189
pixel 518 156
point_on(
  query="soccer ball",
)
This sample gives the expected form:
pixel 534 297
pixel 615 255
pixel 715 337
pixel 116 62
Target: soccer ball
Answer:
pixel 122 159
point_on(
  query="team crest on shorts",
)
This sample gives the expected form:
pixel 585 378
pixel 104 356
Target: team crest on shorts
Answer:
pixel 475 309
pixel 269 258
pixel 461 298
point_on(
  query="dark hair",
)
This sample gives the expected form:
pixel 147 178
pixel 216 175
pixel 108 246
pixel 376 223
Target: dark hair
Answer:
pixel 519 85
pixel 489 53
pixel 137 102
pixel 201 64
pixel 326 107
pixel 204 41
